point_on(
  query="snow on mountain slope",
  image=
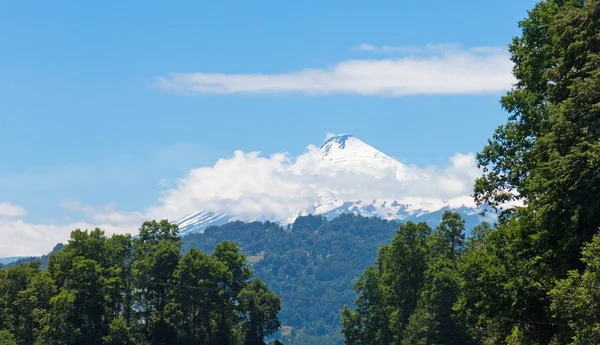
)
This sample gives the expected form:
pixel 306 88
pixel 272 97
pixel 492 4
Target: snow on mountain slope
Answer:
pixel 202 219
pixel 338 161
pixel 346 153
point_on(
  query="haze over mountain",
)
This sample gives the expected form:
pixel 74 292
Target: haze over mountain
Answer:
pixel 346 175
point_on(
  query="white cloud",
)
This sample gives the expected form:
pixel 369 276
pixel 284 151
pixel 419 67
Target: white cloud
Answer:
pixel 431 49
pixel 433 69
pixel 19 238
pixel 366 47
pixel 108 214
pixel 390 49
pixel 8 210
pixel 251 186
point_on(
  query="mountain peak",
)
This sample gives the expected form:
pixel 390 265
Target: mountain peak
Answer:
pixel 339 140
pixel 349 154
pixel 346 145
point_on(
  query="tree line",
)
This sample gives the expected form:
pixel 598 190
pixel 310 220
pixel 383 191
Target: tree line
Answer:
pixel 533 278
pixel 123 290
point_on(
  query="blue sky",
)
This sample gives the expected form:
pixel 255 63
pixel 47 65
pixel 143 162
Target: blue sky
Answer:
pixel 85 114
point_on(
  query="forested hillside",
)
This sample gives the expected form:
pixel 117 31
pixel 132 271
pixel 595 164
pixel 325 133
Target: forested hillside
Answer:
pixel 534 278
pixel 119 290
pixel 311 264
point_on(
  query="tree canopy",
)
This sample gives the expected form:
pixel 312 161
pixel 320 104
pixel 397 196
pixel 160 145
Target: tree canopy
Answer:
pixel 121 290
pixel 531 279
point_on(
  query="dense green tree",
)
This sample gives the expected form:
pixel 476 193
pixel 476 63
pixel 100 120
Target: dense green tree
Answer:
pixel 408 296
pixel 80 271
pixel 433 322
pixel 576 298
pixel 118 333
pixel 119 249
pixel 61 326
pixel 368 323
pixel 196 295
pixel 25 296
pixel 388 292
pixel 122 291
pixel 547 153
pixel 506 278
pixel 259 308
pixel 7 338
pixel 403 273
pixel 235 263
pixel 157 253
pixel 508 159
pixel 33 304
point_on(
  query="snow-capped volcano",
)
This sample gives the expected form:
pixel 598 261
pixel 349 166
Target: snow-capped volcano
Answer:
pixel 345 175
pixel 346 153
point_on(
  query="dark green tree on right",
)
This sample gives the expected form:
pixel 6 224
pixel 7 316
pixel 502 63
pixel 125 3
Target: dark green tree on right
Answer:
pixel 548 154
pixel 532 278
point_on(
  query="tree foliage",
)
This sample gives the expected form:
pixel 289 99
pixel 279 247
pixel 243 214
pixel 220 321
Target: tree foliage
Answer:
pixel 408 295
pixel 124 291
pixel 576 298
pixel 530 279
pixel 548 153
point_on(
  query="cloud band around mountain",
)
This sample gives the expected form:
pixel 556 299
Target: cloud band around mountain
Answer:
pixel 252 186
pixel 434 69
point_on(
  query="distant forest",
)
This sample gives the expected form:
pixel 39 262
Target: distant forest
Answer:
pixel 311 264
